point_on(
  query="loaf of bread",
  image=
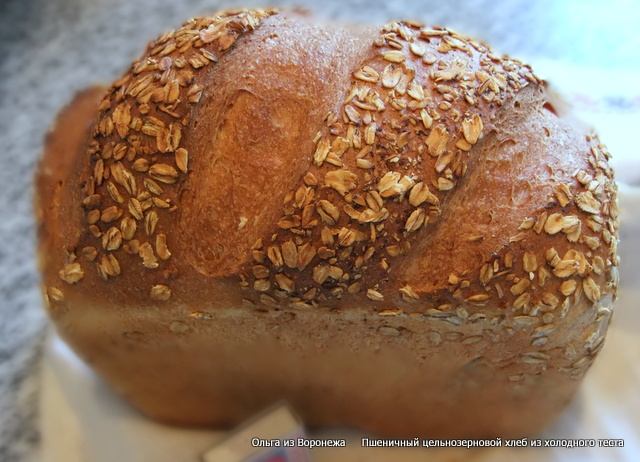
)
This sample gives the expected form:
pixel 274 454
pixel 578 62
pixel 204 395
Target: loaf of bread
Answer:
pixel 390 227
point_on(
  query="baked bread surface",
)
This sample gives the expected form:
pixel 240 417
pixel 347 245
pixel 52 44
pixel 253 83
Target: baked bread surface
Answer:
pixel 389 227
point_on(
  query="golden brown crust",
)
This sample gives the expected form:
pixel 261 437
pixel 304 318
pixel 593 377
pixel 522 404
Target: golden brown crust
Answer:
pixel 403 184
pixel 54 213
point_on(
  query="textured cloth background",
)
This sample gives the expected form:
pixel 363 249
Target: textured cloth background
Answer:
pixel 49 49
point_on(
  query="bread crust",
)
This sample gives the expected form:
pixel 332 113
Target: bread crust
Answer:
pixel 391 228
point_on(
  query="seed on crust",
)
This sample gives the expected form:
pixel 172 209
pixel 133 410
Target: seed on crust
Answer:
pixel 308 218
pixel 394 312
pixel 321 151
pixel 456 70
pixel 90 253
pixel 463 145
pixel 364 164
pixel 527 223
pixel 508 260
pixel 285 283
pixel 367 74
pixel 182 159
pixel 574 235
pixel 149 259
pixel 162 204
pixel 393 184
pixel 540 223
pixel 105 126
pixel 195 93
pixel 160 292
pixel 112 189
pixel 135 208
pixel 290 254
pixel 370 133
pixel 420 193
pixel 110 214
pixel 486 273
pixel 592 242
pixel 161 247
pixel 443 161
pixel 393 250
pixel 354 288
pixel 563 194
pixel 339 146
pixel 591 289
pixel 71 273
pixel 122 119
pixel 418 48
pixel 552 257
pixel 522 300
pixel 373 199
pixel 522 285
pixel 268 300
pixel 326 236
pixel 352 114
pixel 341 180
pixel 568 287
pixel 260 271
pixel 163 173
pixel 551 300
pixel 478 298
pixel 321 273
pixel 110 265
pixel 566 268
pixel 525 320
pixel 598 265
pixel 374 295
pixel 112 239
pixel 415 220
pixel 346 237
pixel 324 253
pixel 408 294
pixel 55 294
pixel 289 221
pixel 391 76
pixel 437 140
pixel 416 92
pixel 529 262
pixel 570 224
pixel 262 285
pixel 275 255
pixel 394 56
pixel 426 118
pixel 373 216
pixel 554 223
pixel 328 212
pixel 150 222
pixel 587 203
pixel 152 186
pixel 445 184
pixel 472 129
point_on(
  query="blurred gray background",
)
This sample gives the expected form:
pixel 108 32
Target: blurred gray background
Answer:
pixel 49 49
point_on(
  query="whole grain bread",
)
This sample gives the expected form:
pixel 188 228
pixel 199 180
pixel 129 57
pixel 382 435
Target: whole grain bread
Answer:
pixel 390 227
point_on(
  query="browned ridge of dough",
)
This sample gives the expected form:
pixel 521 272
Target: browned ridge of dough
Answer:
pixel 256 125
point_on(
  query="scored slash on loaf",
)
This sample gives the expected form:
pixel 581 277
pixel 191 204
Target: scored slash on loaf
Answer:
pixel 389 227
